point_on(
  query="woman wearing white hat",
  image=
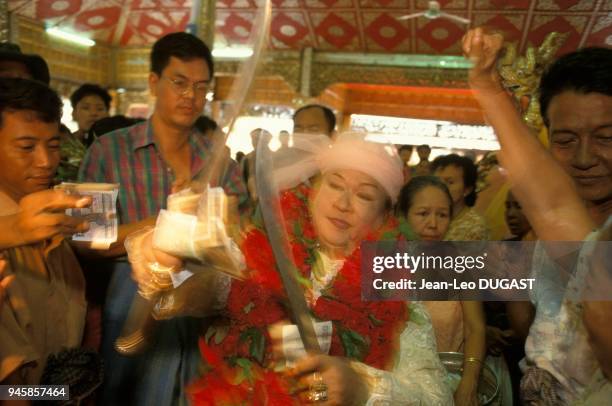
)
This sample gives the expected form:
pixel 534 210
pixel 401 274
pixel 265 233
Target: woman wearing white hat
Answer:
pixel 376 351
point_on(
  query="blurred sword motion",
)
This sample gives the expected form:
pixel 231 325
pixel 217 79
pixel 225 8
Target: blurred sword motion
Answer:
pixel 140 323
pixel 269 203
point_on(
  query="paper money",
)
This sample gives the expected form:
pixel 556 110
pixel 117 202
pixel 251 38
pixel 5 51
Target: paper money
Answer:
pixel 293 347
pixel 102 214
pixel 185 201
pixel 193 227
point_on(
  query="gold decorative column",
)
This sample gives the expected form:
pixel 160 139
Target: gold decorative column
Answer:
pixel 206 22
pixel 4 22
pixel 306 72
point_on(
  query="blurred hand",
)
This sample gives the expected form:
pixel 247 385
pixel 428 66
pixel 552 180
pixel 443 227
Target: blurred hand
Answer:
pixel 466 394
pixel 195 297
pixel 4 282
pixel 344 385
pixel 252 188
pixel 42 215
pixel 482 49
pixel 150 267
pixel 276 339
pixel 498 339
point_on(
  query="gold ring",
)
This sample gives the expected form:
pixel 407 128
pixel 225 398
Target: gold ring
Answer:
pixel 146 293
pixel 161 275
pixel 318 390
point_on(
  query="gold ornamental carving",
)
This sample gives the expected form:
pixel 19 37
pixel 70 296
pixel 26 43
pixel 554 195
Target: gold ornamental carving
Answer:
pixel 521 75
pixel 5 23
pixel 324 75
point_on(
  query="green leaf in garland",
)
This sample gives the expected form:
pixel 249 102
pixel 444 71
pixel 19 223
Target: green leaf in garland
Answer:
pixel 258 346
pixel 319 267
pixel 304 281
pixel 300 195
pixel 311 259
pixel 222 332
pixel 297 229
pixel 218 332
pixel 388 236
pixel 209 333
pixel 310 242
pixel 247 309
pixel 257 218
pixel 355 346
pixel 257 343
pixel 246 371
pixel 326 293
pixel 406 230
pixel 375 321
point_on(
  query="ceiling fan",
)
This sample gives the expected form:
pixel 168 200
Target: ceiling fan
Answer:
pixel 434 12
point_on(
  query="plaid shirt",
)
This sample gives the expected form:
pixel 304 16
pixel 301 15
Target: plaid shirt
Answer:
pixel 130 157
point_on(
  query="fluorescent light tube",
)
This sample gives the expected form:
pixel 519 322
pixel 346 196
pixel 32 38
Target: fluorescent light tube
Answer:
pixel 68 36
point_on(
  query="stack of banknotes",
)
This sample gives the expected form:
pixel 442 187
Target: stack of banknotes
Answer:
pixel 101 214
pixel 193 227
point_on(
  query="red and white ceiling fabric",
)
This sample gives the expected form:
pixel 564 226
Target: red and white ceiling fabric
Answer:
pixel 336 25
pixel 119 22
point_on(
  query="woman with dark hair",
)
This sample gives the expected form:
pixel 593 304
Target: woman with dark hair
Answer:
pixel 460 175
pixel 427 204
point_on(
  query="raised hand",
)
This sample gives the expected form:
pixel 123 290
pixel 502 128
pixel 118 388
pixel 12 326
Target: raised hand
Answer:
pixel 483 49
pixel 498 339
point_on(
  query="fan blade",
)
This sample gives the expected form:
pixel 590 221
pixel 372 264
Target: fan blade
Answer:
pixel 410 16
pixel 455 18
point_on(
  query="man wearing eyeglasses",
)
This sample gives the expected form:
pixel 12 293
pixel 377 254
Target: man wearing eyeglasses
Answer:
pixel 150 160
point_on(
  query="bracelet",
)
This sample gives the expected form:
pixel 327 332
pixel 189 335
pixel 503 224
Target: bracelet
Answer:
pixel 472 359
pixel 158 268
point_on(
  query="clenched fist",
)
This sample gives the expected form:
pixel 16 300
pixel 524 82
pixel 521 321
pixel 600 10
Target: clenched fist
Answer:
pixel 482 49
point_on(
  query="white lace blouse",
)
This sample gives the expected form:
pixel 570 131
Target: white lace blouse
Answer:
pixel 418 376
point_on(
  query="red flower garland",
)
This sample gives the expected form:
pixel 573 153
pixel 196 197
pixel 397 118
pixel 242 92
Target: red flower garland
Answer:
pixel 365 331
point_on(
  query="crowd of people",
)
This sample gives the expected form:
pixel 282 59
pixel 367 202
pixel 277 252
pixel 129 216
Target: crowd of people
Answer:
pixel 63 304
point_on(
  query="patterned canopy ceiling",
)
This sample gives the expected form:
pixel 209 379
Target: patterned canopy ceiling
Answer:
pixel 335 25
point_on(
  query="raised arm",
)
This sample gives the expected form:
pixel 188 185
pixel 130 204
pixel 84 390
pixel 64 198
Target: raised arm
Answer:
pixel 547 194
